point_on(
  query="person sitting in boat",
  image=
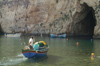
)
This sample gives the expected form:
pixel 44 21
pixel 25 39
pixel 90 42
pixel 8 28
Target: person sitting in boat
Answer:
pixel 31 41
pixel 36 46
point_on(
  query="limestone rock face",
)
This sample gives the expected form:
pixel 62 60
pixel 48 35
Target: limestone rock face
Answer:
pixel 50 16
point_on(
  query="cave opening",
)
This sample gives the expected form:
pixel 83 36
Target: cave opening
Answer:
pixel 84 26
pixel 1 32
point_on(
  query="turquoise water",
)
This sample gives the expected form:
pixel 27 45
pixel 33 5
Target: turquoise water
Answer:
pixel 62 52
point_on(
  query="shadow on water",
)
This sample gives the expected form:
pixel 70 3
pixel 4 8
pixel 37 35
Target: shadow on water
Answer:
pixel 31 60
pixel 50 59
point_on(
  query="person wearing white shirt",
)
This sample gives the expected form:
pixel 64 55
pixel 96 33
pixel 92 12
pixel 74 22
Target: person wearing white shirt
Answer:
pixel 31 41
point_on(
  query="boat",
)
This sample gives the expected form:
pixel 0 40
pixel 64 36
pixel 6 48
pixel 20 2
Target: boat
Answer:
pixel 62 36
pixel 34 53
pixel 40 49
pixel 58 35
pixel 13 35
pixel 53 35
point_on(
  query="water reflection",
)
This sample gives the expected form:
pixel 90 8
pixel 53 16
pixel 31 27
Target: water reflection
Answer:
pixel 31 60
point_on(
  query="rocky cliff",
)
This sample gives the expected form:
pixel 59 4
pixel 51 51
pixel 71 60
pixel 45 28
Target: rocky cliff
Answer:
pixel 78 17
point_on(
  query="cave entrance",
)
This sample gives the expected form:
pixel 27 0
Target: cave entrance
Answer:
pixel 1 32
pixel 85 25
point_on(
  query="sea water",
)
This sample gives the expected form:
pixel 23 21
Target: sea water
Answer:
pixel 62 51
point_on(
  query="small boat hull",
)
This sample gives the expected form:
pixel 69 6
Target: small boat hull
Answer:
pixel 13 35
pixel 60 36
pixel 53 35
pixel 34 54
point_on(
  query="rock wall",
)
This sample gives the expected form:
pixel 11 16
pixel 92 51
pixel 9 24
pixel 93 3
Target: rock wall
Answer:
pixel 50 16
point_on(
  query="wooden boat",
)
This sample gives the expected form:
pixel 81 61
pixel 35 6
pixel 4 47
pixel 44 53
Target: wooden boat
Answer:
pixel 13 35
pixel 39 49
pixel 34 53
pixel 58 35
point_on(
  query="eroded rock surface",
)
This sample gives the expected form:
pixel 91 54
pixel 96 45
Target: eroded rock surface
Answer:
pixel 79 17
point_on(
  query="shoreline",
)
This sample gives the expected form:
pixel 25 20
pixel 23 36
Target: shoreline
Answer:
pixel 67 35
pixel 96 36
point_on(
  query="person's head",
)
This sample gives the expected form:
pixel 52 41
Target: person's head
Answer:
pixel 92 54
pixel 32 37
